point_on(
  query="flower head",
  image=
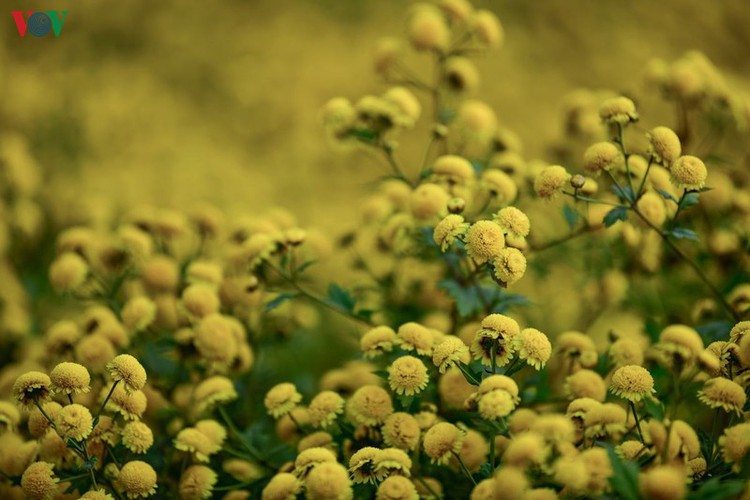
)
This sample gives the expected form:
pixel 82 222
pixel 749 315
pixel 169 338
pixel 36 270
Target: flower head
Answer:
pixel 509 265
pixel 137 437
pixel 632 382
pixel 370 405
pixel 448 230
pixel 550 181
pixel 441 441
pixel 401 430
pixel 74 422
pixel 31 388
pixel 377 341
pixel 618 110
pixel 450 352
pixel 281 399
pixel 70 378
pixel 601 157
pixel 325 407
pixel 689 172
pixel 126 369
pixel 137 479
pixel 513 221
pixel 665 145
pixel 407 375
pixel 484 241
pixel 197 483
pixel 39 482
pixel 720 392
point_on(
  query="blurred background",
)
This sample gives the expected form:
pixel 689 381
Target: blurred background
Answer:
pixel 173 102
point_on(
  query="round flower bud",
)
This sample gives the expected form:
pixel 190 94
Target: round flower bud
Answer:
pixel 689 172
pixel 428 201
pixel 665 145
pixel 456 205
pixel 139 313
pixel 651 205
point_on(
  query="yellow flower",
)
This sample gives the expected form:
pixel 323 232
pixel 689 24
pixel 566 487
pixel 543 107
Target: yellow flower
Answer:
pixel 407 376
pixel 427 29
pixel 448 230
pixel 328 481
pixel 377 340
pixel 68 272
pixel 723 393
pixel 602 156
pixel 526 449
pixel 415 337
pixel 487 29
pixel 130 406
pixel 497 332
pixel 283 486
pixel 137 479
pixel 450 352
pixel 281 399
pixel 70 378
pixel 510 483
pixel 533 346
pixel 214 431
pixel 665 145
pixel 9 416
pixel 129 371
pixel 137 437
pixel 197 483
pixel 397 488
pixel 310 458
pixel 550 181
pixel 193 441
pixel 402 431
pixel 99 494
pixel 495 405
pixel 509 265
pixel 362 465
pixel 31 388
pixel 214 339
pixel 138 313
pixel 325 407
pixel 455 170
pixel 392 461
pixel 681 344
pixel 632 382
pixel 513 221
pixel 689 172
pixel 214 391
pixel 735 444
pixel 370 405
pixel 39 482
pixel 484 241
pixel 618 110
pixel 74 422
pixel 663 482
pixel 441 441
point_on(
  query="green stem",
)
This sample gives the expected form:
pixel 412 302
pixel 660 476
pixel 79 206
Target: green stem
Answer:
pixel 645 177
pixel 233 429
pixel 492 450
pixel 467 374
pixel 493 358
pixel 593 200
pixel 464 468
pixel 104 403
pixel 714 429
pixel 44 413
pixel 637 422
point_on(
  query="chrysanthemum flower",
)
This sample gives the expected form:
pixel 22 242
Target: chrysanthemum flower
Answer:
pixel 281 399
pixel 139 313
pixel 735 444
pixel 484 240
pixel 585 384
pixel 39 482
pixel 526 449
pixel 720 392
pixel 601 157
pixel 9 416
pixel 448 230
pixel 681 344
pixel 495 405
pixel 370 405
pixel 626 352
pixel 197 483
pixel 214 431
pixel 99 494
pixel 74 422
pixel 377 341
pixel 689 172
pixel 499 383
pixel 415 337
pixel 631 450
pixel 68 272
pixel 130 406
pixel 392 461
pixel 510 265
pixel 550 181
pixel 128 371
pixel 310 458
pixel 70 378
pixel 193 441
pixel 510 483
pixel 213 391
pixel 450 352
pixel 362 465
pixel 497 333
pixel 214 339
pixel 397 488
pixel 31 388
pixel 442 440
pixel 665 146
pixel 427 29
pixel 663 482
pixel 137 479
pixel 513 221
pixel 618 110
pixel 137 437
pixel 283 485
pixel 407 375
pixel 328 481
pixel 325 407
pixel 242 470
pixel 607 419
pixel 401 430
pixel 533 346
pixel 632 382
pixel 499 186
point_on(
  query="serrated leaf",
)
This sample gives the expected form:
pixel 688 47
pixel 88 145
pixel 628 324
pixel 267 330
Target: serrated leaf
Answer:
pixel 467 299
pixel 666 195
pixel 614 215
pixel 280 299
pixel 683 233
pixel 716 489
pixel 689 200
pixel 624 193
pixel 571 216
pixel 624 479
pixel 341 297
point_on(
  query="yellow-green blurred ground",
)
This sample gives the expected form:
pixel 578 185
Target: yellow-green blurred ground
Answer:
pixel 170 102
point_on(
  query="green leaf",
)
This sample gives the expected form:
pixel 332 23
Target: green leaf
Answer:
pixel 571 216
pixel 280 299
pixel 666 195
pixel 716 489
pixel 301 269
pixel 624 479
pixel 689 200
pixel 624 193
pixel 683 233
pixel 341 297
pixel 467 299
pixel 382 374
pixel 614 215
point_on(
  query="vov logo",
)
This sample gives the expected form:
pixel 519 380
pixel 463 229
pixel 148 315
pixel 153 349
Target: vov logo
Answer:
pixel 39 23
